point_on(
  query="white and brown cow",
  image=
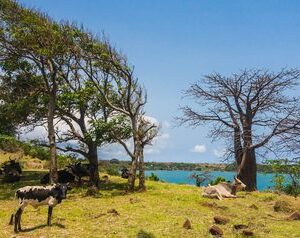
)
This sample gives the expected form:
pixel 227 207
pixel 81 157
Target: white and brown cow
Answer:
pixel 37 196
pixel 223 189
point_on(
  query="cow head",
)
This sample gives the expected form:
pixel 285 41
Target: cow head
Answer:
pixel 239 184
pixel 60 191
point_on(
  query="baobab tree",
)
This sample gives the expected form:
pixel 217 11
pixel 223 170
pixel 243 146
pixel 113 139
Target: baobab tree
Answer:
pixel 253 107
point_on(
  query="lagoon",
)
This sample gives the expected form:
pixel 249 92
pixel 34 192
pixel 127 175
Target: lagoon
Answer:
pixel 264 180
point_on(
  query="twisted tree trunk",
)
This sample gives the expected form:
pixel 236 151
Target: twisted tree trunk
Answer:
pixel 142 186
pixel 51 137
pixel 93 159
pixel 238 149
pixel 132 175
pixel 247 169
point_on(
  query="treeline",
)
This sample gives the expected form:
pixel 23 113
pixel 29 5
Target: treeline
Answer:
pixel 78 86
pixel 114 166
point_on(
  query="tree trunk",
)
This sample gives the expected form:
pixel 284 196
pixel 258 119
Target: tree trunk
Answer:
pixel 51 137
pixel 132 175
pixel 142 186
pixel 238 149
pixel 247 169
pixel 93 159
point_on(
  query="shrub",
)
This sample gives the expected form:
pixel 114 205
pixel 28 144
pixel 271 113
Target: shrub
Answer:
pixel 289 184
pixel 9 144
pixel 153 177
pixel 217 180
pixel 112 171
pixel 278 181
pixel 64 160
pixel 35 151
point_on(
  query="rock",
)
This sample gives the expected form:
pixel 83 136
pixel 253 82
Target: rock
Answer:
pixel 294 216
pixel 114 212
pixel 98 215
pixel 253 206
pixel 215 230
pixel 221 220
pixel 187 224
pixel 92 191
pixel 282 206
pixel 248 233
pixel 240 226
pixel 105 179
pixel 134 200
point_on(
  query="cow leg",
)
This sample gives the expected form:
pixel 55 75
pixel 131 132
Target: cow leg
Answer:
pixel 50 209
pixel 17 219
pixel 219 196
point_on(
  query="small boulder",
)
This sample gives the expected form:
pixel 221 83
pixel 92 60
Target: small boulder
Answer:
pixel 253 206
pixel 134 200
pixel 114 212
pixel 282 206
pixel 248 233
pixel 294 216
pixel 240 226
pixel 221 220
pixel 92 191
pixel 215 230
pixel 187 224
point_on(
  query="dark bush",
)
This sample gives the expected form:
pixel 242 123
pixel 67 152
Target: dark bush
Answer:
pixel 153 177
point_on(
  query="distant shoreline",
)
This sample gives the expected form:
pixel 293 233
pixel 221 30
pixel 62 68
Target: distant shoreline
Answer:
pixel 183 166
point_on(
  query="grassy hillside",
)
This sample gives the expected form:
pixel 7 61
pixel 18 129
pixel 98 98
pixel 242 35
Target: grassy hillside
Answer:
pixel 159 212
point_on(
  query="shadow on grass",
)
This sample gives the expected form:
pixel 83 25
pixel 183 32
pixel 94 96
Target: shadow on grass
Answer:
pixel 29 178
pixel 115 189
pixel 144 234
pixel 42 226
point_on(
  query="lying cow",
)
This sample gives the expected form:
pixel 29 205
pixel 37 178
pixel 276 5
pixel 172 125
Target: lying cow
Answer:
pixel 37 196
pixel 125 173
pixel 12 171
pixel 64 176
pixel 224 189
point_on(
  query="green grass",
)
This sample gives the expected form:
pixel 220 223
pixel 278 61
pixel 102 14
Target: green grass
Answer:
pixel 159 212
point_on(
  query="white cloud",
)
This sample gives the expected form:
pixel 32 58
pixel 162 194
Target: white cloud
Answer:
pixel 166 124
pixel 159 143
pixel 199 149
pixel 219 152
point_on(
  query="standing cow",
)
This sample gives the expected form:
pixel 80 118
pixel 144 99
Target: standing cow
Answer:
pixel 37 196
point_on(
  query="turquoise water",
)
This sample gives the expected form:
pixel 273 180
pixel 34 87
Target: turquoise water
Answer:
pixel 264 180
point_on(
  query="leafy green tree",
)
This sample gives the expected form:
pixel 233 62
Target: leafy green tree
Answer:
pixel 33 38
pixel 103 65
pixel 20 99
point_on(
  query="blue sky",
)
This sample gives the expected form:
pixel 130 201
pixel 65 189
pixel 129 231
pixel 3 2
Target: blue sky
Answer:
pixel 173 43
